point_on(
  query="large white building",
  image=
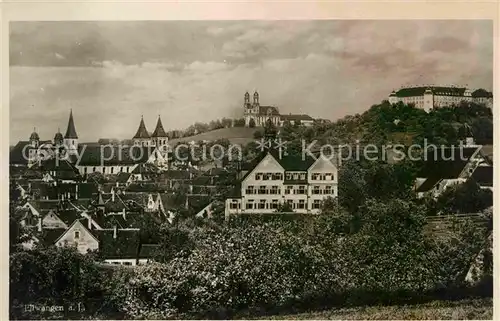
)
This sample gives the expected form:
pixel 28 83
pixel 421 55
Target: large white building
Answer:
pixel 271 181
pixel 429 97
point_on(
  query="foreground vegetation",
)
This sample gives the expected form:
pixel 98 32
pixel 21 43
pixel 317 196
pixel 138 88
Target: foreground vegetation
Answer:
pixel 475 309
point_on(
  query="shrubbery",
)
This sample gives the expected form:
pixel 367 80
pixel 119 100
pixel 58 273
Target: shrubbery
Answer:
pixel 305 261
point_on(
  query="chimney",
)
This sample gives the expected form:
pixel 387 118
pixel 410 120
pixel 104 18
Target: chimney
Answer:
pixel 115 230
pixel 39 224
pixel 76 191
pixel 89 222
pixel 112 195
pixel 124 214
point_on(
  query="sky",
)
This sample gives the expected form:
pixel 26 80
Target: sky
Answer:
pixel 111 73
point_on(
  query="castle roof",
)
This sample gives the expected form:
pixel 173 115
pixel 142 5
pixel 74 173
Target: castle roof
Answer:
pixel 142 132
pixel 159 131
pixel 436 90
pixel 71 131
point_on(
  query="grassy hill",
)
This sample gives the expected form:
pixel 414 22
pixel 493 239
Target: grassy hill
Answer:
pixel 235 135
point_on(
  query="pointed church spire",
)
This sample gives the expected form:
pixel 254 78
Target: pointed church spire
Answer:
pixel 159 131
pixel 142 132
pixel 71 131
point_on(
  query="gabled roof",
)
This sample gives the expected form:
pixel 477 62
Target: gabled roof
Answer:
pixel 142 132
pixel 71 131
pixel 16 153
pixel 63 169
pixel 92 155
pixel 446 163
pixel 159 131
pixel 124 246
pixel 123 177
pixel 290 163
pixel 50 236
pixel 483 175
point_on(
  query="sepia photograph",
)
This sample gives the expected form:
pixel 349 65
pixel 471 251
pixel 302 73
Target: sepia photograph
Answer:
pixel 251 169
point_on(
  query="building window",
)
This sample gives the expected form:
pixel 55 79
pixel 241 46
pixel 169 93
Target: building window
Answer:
pixel 315 177
pixel 104 170
pixel 262 204
pixel 288 189
pixel 302 204
pixel 250 190
pixel 93 170
pixel 127 263
pixel 277 176
pixel 301 190
pixel 316 204
pixel 112 170
pixel 249 205
pixel 262 190
pixel 266 176
pixel 274 190
pixel 85 170
pixel 233 205
pixel 288 176
pixel 127 169
pixel 121 169
pixel 328 190
pixel 316 190
pixel 274 204
pixel 258 176
pixel 77 234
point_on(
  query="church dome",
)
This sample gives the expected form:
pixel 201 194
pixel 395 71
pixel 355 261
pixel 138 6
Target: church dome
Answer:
pixel 34 136
pixel 58 137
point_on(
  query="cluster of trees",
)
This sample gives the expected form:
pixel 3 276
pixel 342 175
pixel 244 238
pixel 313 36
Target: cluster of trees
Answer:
pixel 200 127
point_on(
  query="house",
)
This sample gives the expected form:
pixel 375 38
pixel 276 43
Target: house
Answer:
pixel 272 180
pixel 447 166
pixel 299 119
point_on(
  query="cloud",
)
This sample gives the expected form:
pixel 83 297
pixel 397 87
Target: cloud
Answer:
pixel 198 71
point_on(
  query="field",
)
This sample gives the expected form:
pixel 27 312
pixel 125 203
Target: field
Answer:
pixel 235 135
pixel 476 309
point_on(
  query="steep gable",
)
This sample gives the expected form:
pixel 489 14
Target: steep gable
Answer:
pixel 79 236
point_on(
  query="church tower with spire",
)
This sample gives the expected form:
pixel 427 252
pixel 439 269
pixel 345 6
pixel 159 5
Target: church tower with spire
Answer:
pixel 159 137
pixel 71 138
pixel 142 137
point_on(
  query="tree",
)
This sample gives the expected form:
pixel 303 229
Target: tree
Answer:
pixel 270 131
pixel 258 134
pixel 239 122
pixel 465 198
pixel 251 124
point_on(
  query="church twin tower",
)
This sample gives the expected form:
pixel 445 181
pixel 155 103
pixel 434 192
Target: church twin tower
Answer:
pixel 157 138
pixel 70 140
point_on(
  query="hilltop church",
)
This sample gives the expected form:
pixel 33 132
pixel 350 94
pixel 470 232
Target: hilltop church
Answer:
pixel 259 115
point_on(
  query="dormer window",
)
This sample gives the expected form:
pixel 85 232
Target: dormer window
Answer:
pixel 76 235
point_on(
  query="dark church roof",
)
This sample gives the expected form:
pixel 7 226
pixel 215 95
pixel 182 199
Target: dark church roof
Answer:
pixel 71 131
pixel 159 131
pixel 112 155
pixel 142 132
pixel 268 110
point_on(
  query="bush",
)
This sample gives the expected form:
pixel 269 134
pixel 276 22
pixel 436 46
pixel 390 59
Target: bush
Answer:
pixel 275 263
